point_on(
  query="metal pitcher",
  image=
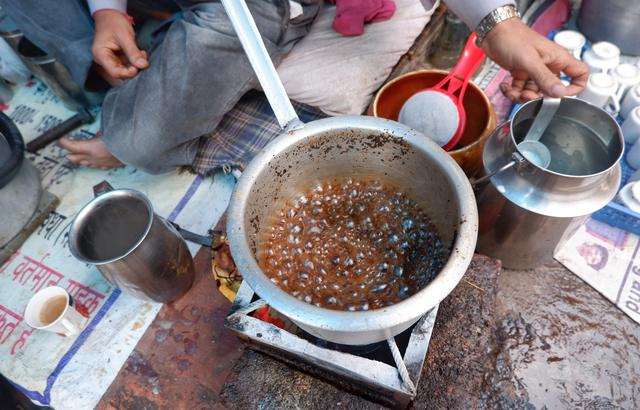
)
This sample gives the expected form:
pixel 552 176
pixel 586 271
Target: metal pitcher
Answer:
pixel 525 209
pixel 134 249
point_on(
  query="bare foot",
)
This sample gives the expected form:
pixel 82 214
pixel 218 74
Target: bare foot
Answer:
pixel 91 153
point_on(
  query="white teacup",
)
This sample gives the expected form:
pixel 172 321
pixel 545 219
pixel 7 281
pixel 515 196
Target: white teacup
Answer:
pixel 570 40
pixel 631 126
pixel 601 90
pixel 633 156
pixel 630 196
pixel 602 57
pixel 54 310
pixel 630 101
pixel 627 76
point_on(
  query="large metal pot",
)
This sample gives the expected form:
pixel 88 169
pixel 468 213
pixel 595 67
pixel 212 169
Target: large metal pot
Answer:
pixel 344 146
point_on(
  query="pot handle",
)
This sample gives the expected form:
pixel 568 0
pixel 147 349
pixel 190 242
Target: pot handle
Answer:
pixel 516 159
pixel 101 188
pixel 249 36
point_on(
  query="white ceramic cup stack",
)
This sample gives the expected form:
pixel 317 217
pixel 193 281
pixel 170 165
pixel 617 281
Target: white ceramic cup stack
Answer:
pixel 69 322
pixel 602 57
pixel 631 126
pixel 629 195
pixel 631 133
pixel 570 40
pixel 627 75
pixel 630 101
pixel 601 90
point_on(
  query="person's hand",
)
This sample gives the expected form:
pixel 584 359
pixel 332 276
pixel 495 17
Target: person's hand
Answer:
pixel 534 61
pixel 114 45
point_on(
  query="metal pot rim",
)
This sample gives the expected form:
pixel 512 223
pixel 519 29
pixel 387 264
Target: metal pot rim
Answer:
pixel 92 205
pixel 345 321
pixel 609 118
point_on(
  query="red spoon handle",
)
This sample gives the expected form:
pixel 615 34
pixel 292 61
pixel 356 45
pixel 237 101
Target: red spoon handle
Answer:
pixel 472 57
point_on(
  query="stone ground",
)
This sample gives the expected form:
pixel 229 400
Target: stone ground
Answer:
pixel 510 339
pixel 502 339
pixel 453 371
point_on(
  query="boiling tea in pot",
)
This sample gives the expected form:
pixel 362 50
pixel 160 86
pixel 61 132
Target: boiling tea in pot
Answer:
pixel 353 244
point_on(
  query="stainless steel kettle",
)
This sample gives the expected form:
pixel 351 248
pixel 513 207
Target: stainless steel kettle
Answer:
pixel 525 209
pixel 134 249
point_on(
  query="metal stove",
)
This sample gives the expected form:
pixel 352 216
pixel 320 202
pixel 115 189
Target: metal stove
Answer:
pixel 48 202
pixel 387 372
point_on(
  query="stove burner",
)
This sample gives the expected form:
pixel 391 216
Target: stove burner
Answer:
pixel 367 370
pixel 358 350
pixel 376 351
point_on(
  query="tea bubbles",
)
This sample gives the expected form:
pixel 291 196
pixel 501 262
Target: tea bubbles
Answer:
pixel 350 244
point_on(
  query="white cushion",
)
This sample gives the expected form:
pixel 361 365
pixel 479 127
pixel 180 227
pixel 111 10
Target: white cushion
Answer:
pixel 339 74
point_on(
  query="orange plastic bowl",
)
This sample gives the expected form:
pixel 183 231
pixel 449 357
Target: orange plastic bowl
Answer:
pixel 481 117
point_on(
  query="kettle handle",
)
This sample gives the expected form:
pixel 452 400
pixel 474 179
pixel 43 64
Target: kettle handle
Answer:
pixel 101 188
pixel 516 159
pixel 213 240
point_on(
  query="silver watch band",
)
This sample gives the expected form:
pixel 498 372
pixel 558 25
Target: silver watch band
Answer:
pixel 492 19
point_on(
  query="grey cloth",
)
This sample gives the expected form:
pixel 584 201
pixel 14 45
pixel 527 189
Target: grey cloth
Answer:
pixel 198 71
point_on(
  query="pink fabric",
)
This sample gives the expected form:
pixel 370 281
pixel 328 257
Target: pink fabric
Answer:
pixel 553 17
pixel 352 15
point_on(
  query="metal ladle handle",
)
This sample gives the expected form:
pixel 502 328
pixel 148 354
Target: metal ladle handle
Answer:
pixel 543 118
pixel 254 47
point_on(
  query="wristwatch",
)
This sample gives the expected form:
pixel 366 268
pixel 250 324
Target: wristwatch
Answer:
pixel 492 19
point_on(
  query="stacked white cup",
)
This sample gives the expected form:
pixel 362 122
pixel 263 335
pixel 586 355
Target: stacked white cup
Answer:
pixel 601 90
pixel 627 75
pixel 602 57
pixel 631 126
pixel 570 40
pixel 630 101
pixel 631 133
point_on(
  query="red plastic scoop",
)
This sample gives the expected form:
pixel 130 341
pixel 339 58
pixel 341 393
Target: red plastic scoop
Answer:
pixel 438 112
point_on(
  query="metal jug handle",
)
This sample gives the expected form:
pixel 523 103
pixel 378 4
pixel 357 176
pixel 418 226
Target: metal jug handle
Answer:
pixel 213 240
pixel 516 160
pixel 102 188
